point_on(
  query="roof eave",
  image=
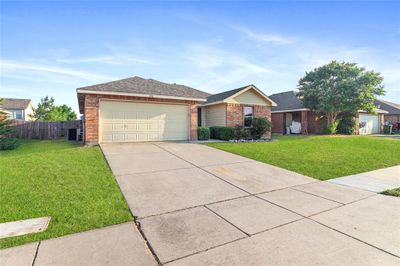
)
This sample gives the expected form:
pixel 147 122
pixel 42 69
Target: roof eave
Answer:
pixel 140 95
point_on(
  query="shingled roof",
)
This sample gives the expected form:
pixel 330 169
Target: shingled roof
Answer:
pixel 12 103
pixel 220 97
pixel 287 100
pixel 223 95
pixel 138 85
pixel 391 108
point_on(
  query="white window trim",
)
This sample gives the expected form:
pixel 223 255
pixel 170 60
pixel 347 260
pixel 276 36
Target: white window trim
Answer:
pixel 244 116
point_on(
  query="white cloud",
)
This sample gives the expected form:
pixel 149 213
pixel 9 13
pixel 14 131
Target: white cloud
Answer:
pixel 107 59
pixel 22 68
pixel 261 37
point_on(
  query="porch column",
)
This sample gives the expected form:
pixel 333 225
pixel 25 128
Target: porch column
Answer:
pixel 304 122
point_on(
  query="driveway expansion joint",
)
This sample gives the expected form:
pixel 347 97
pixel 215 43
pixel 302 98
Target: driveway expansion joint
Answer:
pixel 156 171
pixel 204 169
pixel 355 238
pixel 36 253
pixel 138 226
pixel 226 221
pixel 192 207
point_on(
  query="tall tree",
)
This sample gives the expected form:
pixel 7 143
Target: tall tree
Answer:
pixel 48 111
pixel 340 88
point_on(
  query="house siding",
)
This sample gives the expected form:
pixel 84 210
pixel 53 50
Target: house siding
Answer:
pixel 250 97
pixel 91 112
pixel 215 115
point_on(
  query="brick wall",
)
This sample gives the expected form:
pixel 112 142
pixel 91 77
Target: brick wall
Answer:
pixel 277 123
pixel 304 122
pixel 234 114
pixel 314 124
pixel 91 112
pixel 392 118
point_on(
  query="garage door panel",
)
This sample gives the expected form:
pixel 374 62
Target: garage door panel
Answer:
pixel 129 121
pixel 370 124
pixel 131 137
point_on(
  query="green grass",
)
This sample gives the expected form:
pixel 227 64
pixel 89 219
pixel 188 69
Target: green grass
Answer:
pixel 392 192
pixel 321 157
pixel 70 183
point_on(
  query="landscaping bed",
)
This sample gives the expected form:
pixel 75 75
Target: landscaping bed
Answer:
pixel 321 157
pixel 70 183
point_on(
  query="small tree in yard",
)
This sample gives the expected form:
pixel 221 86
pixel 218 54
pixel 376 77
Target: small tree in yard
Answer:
pixel 260 126
pixel 6 131
pixel 48 111
pixel 338 88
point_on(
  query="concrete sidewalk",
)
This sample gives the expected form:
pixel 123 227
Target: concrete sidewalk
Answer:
pixel 113 245
pixel 201 206
pixel 375 181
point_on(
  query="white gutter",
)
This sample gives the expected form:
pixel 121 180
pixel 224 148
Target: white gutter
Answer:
pixel 212 103
pixel 291 110
pixel 378 111
pixel 140 95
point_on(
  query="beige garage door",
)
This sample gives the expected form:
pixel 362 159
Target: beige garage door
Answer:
pixel 130 122
pixel 369 124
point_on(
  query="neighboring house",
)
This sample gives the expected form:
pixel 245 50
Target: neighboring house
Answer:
pixel 235 107
pixel 137 109
pixel 19 109
pixel 290 108
pixel 393 109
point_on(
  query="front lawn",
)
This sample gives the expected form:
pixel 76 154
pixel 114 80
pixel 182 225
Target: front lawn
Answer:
pixel 68 182
pixel 321 157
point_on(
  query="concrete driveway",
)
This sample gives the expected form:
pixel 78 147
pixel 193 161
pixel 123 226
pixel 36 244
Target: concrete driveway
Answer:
pixel 197 205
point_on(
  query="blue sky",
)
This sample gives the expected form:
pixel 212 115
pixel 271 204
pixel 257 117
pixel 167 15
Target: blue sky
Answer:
pixel 51 48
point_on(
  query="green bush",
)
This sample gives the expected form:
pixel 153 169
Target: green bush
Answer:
pixel 346 125
pixel 386 129
pixel 222 133
pixel 203 133
pixel 329 129
pixel 260 126
pixel 8 144
pixel 240 132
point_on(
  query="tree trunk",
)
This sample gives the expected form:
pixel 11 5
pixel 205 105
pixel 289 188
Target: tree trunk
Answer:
pixel 331 122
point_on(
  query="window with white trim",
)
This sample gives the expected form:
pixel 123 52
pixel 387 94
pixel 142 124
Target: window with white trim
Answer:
pixel 248 116
pixel 18 114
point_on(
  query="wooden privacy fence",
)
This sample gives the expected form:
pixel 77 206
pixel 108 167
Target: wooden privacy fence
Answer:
pixel 44 130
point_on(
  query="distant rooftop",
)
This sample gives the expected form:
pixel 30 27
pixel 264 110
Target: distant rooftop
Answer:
pixel 390 107
pixel 286 100
pixel 13 103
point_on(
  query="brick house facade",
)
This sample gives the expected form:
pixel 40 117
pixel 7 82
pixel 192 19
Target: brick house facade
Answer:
pixel 137 109
pixel 91 112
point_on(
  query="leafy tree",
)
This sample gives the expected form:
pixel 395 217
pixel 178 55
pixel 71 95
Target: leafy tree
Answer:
pixel 7 142
pixel 48 111
pixel 340 88
pixel 62 113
